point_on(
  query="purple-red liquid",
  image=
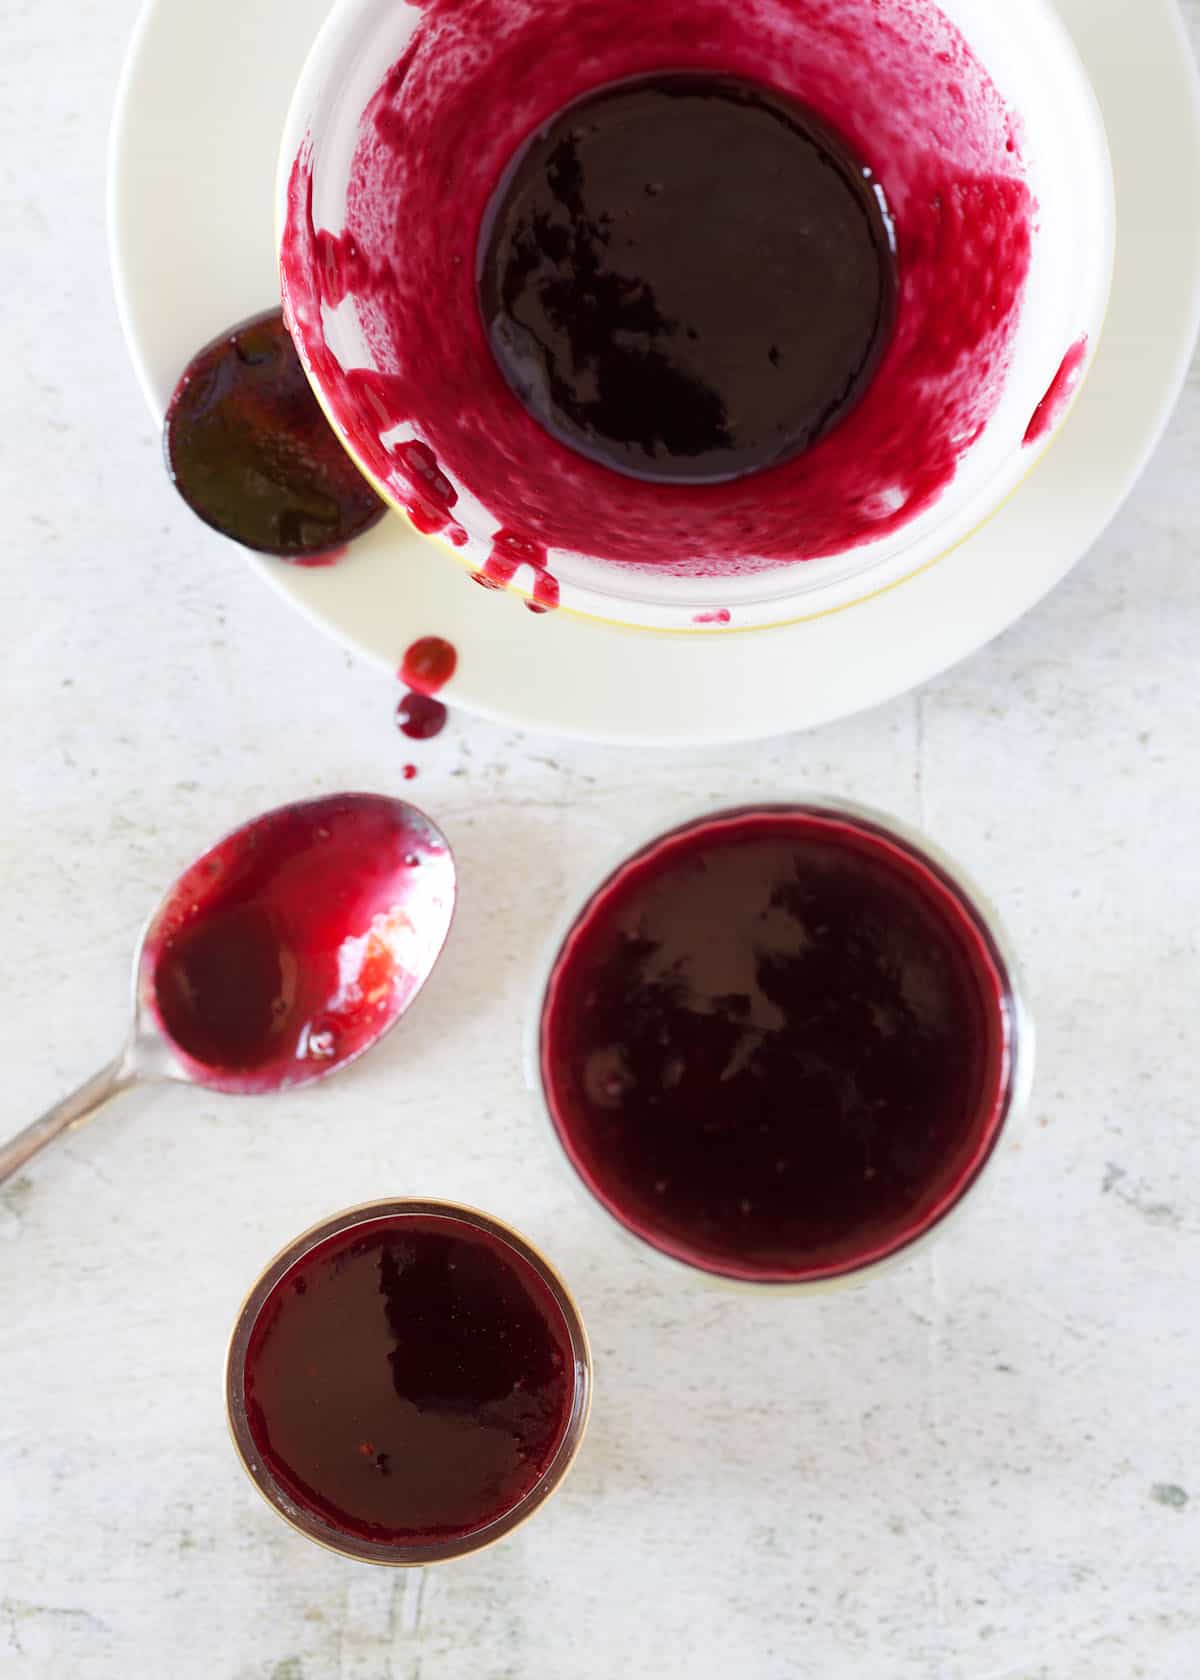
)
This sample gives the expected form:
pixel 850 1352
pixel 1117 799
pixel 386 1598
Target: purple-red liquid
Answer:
pixel 419 717
pixel 428 665
pixel 249 449
pixel 776 1045
pixel 599 288
pixel 293 944
pixel 409 1379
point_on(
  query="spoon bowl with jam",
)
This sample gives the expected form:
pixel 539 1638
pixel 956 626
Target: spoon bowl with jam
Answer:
pixel 279 957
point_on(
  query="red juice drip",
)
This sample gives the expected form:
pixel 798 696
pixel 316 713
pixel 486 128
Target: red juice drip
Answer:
pixel 409 1379
pixel 330 557
pixel 341 267
pixel 428 664
pixel 1050 410
pixel 288 948
pixel 545 592
pixel 511 551
pixel 776 1046
pixel 420 717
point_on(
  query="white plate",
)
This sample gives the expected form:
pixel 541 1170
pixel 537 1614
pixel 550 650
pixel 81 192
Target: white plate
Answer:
pixel 206 87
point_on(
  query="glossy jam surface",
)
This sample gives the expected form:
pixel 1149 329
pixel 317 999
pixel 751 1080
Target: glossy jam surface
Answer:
pixel 293 944
pixel 776 1046
pixel 410 1379
pixel 250 451
pixel 619 307
pixel 476 85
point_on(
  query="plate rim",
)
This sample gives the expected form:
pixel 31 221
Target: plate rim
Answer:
pixel 308 591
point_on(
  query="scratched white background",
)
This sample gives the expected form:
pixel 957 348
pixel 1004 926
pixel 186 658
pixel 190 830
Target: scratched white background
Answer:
pixel 984 1467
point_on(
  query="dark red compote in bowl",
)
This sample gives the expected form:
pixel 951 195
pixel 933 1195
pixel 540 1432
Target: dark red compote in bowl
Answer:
pixel 617 308
pixel 780 1044
pixel 408 1381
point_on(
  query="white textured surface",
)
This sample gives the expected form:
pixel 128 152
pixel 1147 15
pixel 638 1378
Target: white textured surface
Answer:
pixel 984 1467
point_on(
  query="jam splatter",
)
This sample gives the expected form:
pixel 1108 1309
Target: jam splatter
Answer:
pixel 623 348
pixel 250 451
pixel 427 666
pixel 510 553
pixel 1053 405
pixel 722 615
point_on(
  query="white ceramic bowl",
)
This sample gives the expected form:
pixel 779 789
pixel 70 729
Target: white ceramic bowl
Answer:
pixel 1027 54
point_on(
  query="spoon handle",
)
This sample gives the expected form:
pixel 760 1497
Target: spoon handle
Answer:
pixel 117 1076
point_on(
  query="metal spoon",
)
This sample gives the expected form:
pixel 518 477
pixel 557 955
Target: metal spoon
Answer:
pixel 280 956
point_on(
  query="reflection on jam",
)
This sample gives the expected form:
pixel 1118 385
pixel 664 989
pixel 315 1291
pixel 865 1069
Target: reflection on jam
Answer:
pixel 617 302
pixel 250 451
pixel 1053 405
pixel 409 1379
pixel 775 1045
pixel 288 948
pixel 908 98
pixel 420 717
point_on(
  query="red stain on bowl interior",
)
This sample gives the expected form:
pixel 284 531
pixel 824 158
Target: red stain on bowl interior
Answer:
pixel 1054 404
pixel 427 666
pixel 903 89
